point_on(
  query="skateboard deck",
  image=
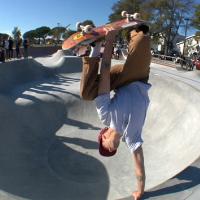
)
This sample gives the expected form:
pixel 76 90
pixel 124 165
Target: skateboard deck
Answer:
pixel 82 38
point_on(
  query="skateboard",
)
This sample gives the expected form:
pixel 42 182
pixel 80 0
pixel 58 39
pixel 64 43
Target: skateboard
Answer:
pixel 89 34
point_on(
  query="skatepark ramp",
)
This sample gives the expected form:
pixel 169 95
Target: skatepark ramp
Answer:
pixel 49 147
pixel 22 71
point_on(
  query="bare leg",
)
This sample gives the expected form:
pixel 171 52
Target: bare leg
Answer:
pixel 139 172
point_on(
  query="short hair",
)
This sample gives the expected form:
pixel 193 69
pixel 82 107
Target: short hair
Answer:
pixel 102 150
pixel 142 27
pixel 139 27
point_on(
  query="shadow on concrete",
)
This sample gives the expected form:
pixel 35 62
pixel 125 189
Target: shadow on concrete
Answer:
pixel 46 86
pixel 87 144
pixel 38 165
pixel 187 179
pixel 81 125
pixel 24 71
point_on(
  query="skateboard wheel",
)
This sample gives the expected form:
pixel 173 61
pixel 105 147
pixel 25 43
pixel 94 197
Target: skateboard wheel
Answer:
pixel 78 25
pixel 87 29
pixel 124 13
pixel 136 16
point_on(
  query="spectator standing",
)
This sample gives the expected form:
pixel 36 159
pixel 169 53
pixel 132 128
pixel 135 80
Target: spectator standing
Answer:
pixel 18 44
pixel 117 51
pixel 10 47
pixel 7 48
pixel 25 45
pixel 2 50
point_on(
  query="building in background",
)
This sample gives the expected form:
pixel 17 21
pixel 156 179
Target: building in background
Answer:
pixel 189 46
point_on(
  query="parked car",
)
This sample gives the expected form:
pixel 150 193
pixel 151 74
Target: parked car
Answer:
pixel 186 63
pixel 196 63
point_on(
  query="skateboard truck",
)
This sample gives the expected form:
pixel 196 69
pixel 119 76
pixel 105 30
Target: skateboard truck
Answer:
pixel 130 17
pixel 84 29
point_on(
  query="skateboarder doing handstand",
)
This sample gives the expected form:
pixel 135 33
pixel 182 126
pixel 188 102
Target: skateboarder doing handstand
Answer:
pixel 123 114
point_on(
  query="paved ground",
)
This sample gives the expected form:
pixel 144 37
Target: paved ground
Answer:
pixel 49 148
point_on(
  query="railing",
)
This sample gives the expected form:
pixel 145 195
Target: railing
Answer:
pixel 164 57
pixel 173 61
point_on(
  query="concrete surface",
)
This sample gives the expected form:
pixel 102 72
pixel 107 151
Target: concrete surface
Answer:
pixel 49 148
pixel 38 51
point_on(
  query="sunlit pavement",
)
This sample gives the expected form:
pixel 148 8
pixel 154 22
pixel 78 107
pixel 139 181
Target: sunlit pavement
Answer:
pixel 49 146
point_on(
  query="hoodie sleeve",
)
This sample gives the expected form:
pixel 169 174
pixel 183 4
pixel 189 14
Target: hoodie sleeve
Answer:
pixel 103 103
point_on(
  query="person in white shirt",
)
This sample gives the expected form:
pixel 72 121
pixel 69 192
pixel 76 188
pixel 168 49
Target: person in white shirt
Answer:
pixel 123 115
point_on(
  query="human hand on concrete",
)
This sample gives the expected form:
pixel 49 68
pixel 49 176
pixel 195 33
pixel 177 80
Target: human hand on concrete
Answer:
pixel 137 195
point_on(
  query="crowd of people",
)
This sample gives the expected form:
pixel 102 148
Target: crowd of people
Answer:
pixel 116 50
pixel 10 48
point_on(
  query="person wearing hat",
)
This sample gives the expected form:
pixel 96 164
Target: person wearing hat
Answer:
pixel 124 114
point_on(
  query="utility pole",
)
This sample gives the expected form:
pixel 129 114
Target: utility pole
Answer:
pixel 186 27
pixel 66 27
pixel 58 32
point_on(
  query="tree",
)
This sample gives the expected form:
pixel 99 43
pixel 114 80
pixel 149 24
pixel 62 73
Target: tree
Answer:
pixel 16 33
pixel 42 32
pixel 131 6
pixel 30 35
pixel 197 33
pixel 68 33
pixel 197 38
pixel 167 17
pixel 57 32
pixel 164 16
pixel 4 35
pixel 196 19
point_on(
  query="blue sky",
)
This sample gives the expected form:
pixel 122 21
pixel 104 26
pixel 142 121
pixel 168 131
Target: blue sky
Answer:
pixel 31 14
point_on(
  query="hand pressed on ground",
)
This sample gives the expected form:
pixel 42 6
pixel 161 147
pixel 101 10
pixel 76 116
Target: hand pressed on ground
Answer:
pixel 137 195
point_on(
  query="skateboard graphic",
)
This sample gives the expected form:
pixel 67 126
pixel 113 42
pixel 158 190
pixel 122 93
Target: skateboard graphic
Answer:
pixel 89 34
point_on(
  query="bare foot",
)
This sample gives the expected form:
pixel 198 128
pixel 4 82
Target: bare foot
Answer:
pixel 137 195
